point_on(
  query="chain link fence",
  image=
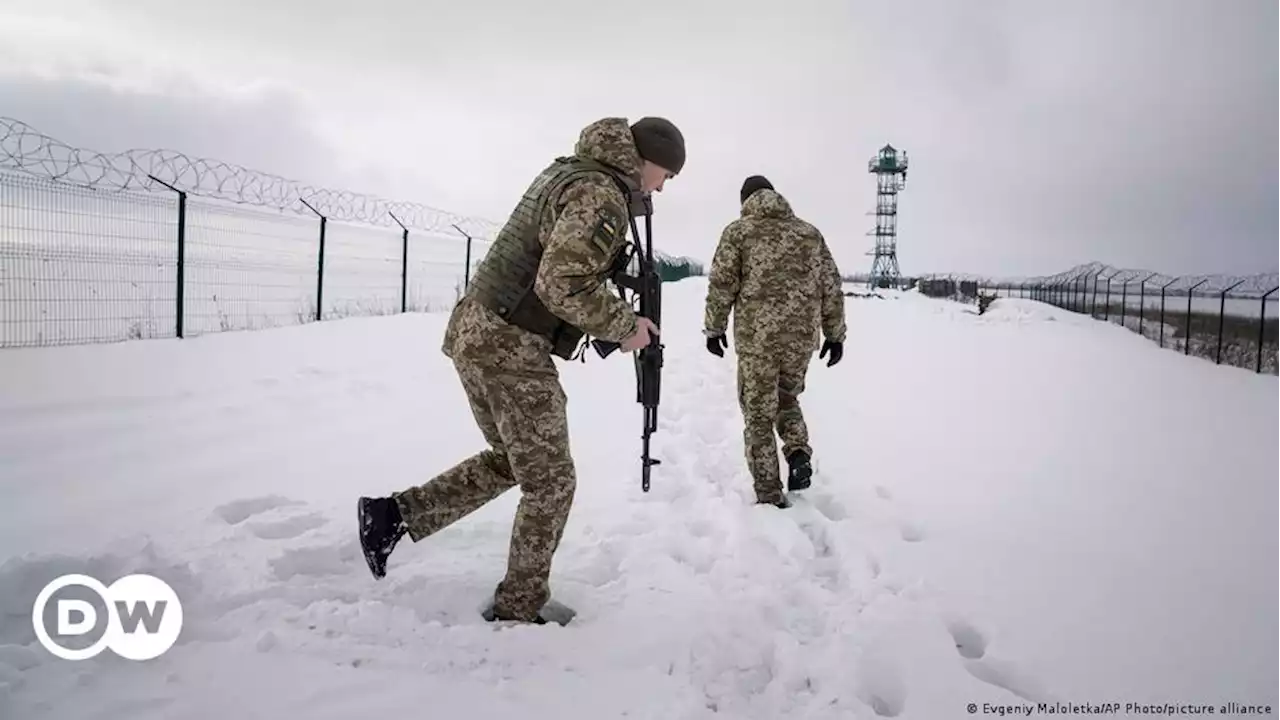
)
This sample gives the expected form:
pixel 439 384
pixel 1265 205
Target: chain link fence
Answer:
pixel 153 244
pixel 1231 320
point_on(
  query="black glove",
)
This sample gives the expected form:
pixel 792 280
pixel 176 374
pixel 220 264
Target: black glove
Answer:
pixel 717 344
pixel 835 348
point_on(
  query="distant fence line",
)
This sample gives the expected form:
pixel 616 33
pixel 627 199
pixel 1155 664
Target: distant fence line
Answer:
pixel 1224 318
pixel 151 243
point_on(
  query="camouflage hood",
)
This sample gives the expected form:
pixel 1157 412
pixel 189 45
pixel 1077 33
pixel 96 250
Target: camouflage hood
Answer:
pixel 609 141
pixel 767 204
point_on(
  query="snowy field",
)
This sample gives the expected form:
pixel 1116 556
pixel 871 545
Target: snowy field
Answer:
pixel 978 531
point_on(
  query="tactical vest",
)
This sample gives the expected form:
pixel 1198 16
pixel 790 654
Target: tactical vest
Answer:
pixel 504 280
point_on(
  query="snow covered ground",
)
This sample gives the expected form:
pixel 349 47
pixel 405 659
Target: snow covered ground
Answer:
pixel 1023 507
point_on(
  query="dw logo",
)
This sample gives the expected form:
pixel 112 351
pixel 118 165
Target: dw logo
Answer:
pixel 143 617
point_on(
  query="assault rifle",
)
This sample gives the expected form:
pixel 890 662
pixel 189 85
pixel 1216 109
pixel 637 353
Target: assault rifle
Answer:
pixel 645 285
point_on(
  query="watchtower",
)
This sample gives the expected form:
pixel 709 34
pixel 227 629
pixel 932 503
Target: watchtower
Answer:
pixel 890 168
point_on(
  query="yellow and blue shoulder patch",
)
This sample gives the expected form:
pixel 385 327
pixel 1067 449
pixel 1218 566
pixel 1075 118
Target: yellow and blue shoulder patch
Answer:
pixel 610 228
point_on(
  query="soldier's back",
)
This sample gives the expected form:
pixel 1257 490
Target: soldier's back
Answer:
pixel 781 259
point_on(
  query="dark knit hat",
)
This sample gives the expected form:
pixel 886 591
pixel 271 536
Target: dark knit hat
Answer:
pixel 659 142
pixel 752 184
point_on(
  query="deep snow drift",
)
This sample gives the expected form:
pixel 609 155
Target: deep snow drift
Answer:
pixel 1023 507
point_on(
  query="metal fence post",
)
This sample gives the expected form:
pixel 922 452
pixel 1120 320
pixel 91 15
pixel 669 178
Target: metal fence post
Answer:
pixel 1162 291
pixel 1125 303
pixel 1107 317
pixel 1142 305
pixel 180 290
pixel 1124 300
pixel 320 265
pixel 404 264
pixel 1191 292
pixel 466 271
pixel 1262 328
pixel 1222 312
pixel 1094 312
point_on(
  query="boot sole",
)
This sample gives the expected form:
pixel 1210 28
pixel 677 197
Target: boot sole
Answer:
pixel 376 567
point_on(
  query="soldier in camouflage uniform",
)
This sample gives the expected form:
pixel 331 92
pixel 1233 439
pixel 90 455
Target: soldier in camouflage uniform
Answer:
pixel 776 274
pixel 539 292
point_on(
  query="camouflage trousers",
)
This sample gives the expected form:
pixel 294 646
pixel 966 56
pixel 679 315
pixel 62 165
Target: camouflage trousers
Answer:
pixel 523 420
pixel 769 387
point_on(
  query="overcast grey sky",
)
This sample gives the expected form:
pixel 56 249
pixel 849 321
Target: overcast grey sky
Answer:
pixel 1041 133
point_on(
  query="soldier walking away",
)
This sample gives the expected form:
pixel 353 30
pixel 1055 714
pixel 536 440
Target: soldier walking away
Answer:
pixel 776 274
pixel 538 293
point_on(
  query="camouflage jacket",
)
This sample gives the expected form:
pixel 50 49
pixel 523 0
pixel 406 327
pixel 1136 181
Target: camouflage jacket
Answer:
pixel 776 274
pixel 570 280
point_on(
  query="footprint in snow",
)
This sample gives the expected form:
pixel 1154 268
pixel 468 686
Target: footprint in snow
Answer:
pixel 319 561
pixel 287 528
pixel 829 573
pixel 971 645
pixel 883 493
pixel 910 531
pixel 970 642
pixel 1004 675
pixel 237 511
pixel 873 565
pixel 820 537
pixel 829 507
pixel 880 686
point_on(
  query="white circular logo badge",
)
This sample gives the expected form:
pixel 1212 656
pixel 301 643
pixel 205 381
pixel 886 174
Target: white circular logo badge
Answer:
pixel 144 617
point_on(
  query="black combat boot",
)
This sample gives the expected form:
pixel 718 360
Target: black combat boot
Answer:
pixel 801 471
pixel 381 527
pixel 553 611
pixel 783 503
pixel 491 615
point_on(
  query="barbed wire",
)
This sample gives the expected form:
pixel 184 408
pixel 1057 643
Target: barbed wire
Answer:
pixel 1247 286
pixel 26 149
